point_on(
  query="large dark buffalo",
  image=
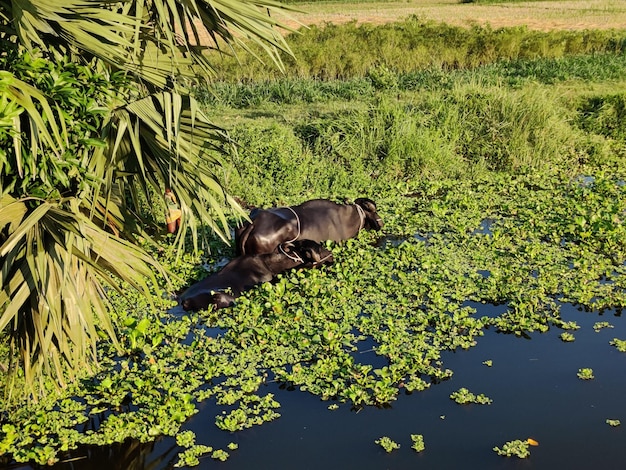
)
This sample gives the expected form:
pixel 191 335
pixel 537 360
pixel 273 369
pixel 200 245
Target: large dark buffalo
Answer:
pixel 317 220
pixel 244 272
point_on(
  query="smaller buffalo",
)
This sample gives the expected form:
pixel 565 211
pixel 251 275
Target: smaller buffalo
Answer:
pixel 317 220
pixel 245 272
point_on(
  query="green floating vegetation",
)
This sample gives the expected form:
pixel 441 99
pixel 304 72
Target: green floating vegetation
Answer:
pixel 190 457
pixel 597 326
pixel 387 443
pixel 613 422
pixel 463 396
pixel 567 337
pixel 220 455
pixel 518 241
pixel 418 442
pixel 516 448
pixel 585 374
pixel 620 344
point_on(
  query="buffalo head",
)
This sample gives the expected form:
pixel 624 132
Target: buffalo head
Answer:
pixel 372 219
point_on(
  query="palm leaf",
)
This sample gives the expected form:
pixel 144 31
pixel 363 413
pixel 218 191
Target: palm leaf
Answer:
pixel 89 25
pixel 43 125
pixel 54 261
pixel 153 39
pixel 59 256
pixel 164 140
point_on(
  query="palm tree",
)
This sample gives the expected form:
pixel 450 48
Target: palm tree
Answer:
pixel 96 109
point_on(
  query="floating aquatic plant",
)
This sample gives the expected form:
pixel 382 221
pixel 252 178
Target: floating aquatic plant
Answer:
pixel 220 454
pixel 418 442
pixel 585 374
pixel 463 396
pixel 620 344
pixel 597 326
pixel 190 457
pixel 387 443
pixel 402 303
pixel 517 448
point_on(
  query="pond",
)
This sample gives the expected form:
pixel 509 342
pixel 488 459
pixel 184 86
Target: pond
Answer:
pixel 532 381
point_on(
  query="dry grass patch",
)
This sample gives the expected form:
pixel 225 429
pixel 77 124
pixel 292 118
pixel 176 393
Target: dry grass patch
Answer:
pixel 538 15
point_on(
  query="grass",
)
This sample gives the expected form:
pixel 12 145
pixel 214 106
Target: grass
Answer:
pixel 469 129
pixel 351 50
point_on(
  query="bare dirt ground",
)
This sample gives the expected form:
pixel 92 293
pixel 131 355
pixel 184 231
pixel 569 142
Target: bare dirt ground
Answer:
pixel 537 15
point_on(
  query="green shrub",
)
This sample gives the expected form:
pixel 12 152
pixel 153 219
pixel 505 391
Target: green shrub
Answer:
pixel 274 166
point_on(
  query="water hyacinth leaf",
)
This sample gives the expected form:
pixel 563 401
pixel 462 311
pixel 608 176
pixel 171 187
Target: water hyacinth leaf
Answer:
pixel 418 442
pixel 515 448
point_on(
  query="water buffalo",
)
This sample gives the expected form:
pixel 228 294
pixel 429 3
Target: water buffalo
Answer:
pixel 244 272
pixel 317 220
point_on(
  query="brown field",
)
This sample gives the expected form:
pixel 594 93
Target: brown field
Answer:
pixel 537 15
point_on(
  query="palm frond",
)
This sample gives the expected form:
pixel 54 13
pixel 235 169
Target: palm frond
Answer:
pixel 164 140
pixel 65 175
pixel 54 261
pixel 90 25
pixel 157 40
pixel 44 131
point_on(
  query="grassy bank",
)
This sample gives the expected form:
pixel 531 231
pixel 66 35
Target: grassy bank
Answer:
pixel 352 50
pixel 443 102
pixel 288 152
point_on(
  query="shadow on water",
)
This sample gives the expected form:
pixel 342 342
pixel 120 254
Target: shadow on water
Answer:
pixel 129 455
pixel 533 384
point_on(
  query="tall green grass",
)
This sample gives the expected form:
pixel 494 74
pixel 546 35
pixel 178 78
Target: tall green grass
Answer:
pixel 514 73
pixel 469 130
pixel 604 116
pixel 350 50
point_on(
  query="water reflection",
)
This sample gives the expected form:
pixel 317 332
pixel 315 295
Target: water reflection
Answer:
pixel 130 455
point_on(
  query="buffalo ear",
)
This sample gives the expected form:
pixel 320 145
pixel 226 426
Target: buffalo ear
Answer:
pixel 367 204
pixel 287 247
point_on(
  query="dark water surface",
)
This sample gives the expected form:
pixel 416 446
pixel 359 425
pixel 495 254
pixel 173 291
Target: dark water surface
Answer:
pixel 535 390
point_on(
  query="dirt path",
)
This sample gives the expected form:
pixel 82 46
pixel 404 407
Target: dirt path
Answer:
pixel 538 15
